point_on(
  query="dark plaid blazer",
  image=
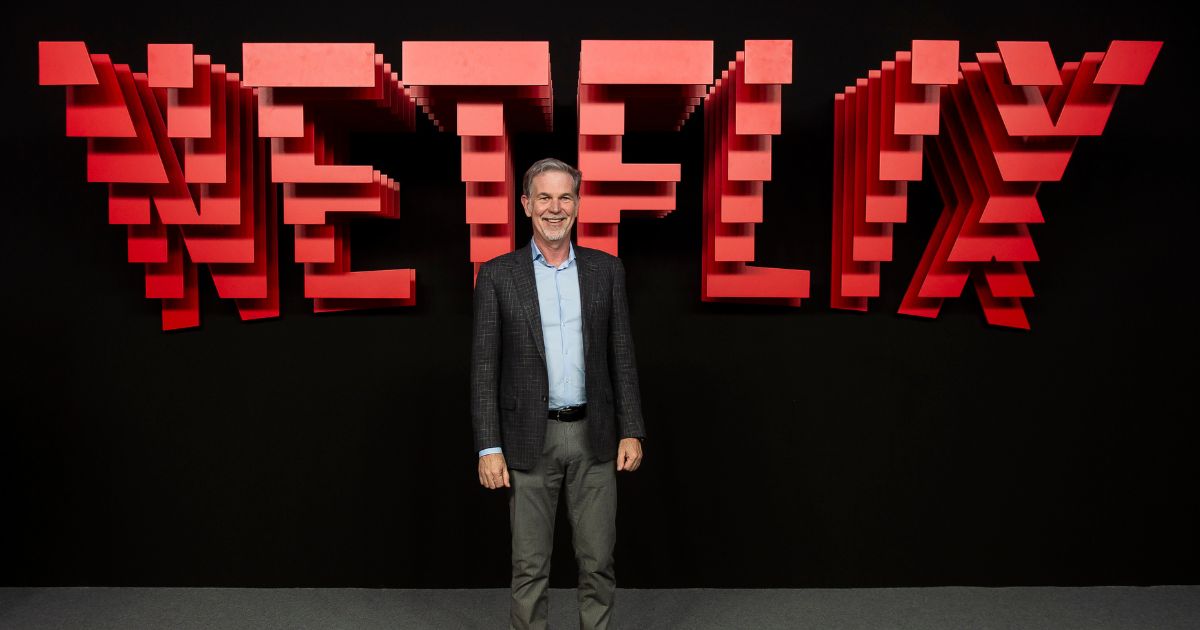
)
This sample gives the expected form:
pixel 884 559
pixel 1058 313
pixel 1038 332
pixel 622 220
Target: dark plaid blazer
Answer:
pixel 509 386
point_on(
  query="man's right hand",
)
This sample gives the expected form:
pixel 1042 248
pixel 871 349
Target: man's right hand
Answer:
pixel 493 472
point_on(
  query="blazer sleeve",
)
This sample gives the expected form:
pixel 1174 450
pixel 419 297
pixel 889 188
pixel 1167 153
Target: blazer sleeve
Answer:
pixel 622 362
pixel 485 361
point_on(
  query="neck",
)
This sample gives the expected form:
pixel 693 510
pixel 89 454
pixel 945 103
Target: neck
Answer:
pixel 555 252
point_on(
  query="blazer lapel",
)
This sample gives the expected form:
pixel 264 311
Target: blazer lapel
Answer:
pixel 528 297
pixel 587 290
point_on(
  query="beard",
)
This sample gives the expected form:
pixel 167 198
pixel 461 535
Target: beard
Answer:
pixel 552 233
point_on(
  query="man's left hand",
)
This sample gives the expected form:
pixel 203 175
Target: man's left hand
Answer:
pixel 629 454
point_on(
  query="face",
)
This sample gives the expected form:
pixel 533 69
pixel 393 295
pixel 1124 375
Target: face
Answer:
pixel 552 205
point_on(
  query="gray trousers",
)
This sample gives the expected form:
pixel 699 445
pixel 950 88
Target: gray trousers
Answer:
pixel 592 509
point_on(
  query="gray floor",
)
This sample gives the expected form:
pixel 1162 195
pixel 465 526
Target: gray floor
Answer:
pixel 957 608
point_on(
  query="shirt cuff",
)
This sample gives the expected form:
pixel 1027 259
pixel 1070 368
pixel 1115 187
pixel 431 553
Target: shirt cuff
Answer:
pixel 490 451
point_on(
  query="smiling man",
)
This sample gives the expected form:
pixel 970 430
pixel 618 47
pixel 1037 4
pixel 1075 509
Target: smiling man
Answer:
pixel 554 396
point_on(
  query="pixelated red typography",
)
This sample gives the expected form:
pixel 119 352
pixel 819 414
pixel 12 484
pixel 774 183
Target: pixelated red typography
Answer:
pixel 199 159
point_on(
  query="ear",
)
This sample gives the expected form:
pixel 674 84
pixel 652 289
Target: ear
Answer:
pixel 525 205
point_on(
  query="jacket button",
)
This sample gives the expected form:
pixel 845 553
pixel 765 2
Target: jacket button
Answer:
pixel 544 399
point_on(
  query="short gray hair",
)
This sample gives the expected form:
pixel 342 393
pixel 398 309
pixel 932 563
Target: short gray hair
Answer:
pixel 546 165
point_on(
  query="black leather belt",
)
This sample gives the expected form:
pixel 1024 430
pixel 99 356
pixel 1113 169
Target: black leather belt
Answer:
pixel 569 414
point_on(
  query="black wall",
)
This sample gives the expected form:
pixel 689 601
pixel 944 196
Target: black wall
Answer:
pixel 788 447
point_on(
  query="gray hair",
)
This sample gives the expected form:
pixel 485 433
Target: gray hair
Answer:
pixel 550 164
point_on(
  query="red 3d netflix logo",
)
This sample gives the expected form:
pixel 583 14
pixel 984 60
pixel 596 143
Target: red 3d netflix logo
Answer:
pixel 192 153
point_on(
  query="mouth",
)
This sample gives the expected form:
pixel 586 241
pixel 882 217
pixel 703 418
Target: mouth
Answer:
pixel 554 221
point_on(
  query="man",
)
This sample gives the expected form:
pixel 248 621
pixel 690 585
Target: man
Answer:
pixel 554 396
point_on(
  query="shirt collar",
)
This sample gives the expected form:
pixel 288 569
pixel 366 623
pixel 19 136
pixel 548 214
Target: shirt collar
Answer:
pixel 537 253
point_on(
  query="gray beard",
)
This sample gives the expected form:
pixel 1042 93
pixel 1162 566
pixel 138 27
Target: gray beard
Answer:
pixel 560 237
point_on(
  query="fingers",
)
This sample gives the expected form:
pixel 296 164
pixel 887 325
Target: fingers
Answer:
pixel 485 474
pixel 485 480
pixel 629 457
pixel 492 481
pixel 493 473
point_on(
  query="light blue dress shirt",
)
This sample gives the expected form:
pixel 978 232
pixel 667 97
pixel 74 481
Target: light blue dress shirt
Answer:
pixel 562 330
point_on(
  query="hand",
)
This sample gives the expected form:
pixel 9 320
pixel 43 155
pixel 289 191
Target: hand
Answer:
pixel 493 472
pixel 629 454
